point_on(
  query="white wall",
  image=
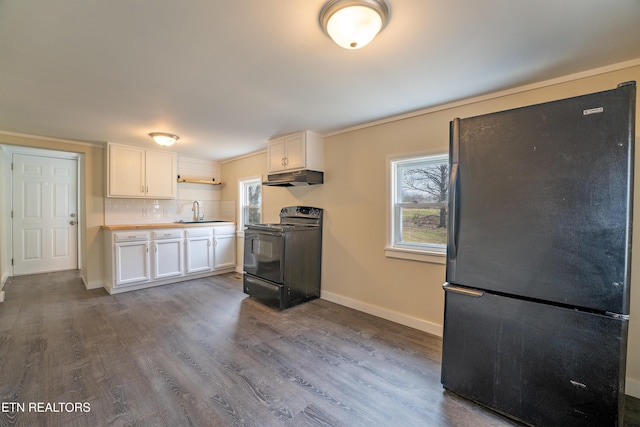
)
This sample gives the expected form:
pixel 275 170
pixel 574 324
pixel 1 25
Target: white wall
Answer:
pixel 355 270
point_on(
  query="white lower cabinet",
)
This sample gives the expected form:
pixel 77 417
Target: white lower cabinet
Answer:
pixel 132 263
pixel 168 253
pixel 224 255
pixel 141 259
pixel 199 250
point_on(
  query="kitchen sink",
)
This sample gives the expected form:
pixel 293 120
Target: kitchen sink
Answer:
pixel 200 222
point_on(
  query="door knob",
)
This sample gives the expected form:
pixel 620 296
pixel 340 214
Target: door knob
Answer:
pixel 72 222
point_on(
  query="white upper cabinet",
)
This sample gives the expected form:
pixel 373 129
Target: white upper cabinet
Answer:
pixel 161 174
pixel 301 150
pixel 136 172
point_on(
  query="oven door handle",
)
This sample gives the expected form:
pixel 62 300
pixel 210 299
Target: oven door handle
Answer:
pixel 255 233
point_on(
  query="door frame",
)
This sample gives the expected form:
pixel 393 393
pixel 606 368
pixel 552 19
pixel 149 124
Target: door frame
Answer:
pixel 10 150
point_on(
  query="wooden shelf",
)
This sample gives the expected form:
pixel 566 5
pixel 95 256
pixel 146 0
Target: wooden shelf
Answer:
pixel 212 181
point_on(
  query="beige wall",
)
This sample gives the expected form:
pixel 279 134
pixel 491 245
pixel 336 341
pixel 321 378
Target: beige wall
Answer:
pixel 355 270
pixel 92 186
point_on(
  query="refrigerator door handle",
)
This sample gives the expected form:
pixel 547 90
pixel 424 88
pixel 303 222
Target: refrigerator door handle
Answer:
pixel 464 291
pixel 451 237
pixel 452 233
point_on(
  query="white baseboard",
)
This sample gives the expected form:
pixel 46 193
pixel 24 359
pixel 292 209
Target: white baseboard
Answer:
pixel 2 283
pixel 96 284
pixel 394 316
pixel 632 387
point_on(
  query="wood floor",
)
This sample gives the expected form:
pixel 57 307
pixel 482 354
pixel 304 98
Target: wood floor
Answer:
pixel 201 353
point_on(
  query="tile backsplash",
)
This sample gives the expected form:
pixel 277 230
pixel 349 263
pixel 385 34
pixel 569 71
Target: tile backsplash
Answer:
pixel 147 211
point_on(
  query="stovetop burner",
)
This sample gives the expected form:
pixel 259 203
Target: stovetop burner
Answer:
pixel 294 218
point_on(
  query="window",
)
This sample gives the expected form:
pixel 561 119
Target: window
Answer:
pixel 250 201
pixel 419 195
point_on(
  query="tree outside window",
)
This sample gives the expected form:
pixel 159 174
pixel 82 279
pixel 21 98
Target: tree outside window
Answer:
pixel 251 200
pixel 420 203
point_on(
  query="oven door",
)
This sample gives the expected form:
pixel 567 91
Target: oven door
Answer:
pixel 263 254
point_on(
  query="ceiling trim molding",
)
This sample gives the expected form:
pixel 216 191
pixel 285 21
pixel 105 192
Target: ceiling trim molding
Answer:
pixel 47 138
pixel 244 156
pixel 36 151
pixel 466 101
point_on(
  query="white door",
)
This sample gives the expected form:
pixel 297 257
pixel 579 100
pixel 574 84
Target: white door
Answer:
pixel 45 214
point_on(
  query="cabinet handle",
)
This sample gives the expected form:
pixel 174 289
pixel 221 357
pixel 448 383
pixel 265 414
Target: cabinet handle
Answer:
pixel 146 248
pixel 156 248
pixel 208 242
pixel 147 188
pixel 142 188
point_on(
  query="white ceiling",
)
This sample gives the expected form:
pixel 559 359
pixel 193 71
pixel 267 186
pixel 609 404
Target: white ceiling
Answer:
pixel 227 75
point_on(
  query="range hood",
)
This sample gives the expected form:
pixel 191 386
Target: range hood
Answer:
pixel 294 178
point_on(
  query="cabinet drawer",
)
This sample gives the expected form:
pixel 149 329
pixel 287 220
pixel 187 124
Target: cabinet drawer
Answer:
pixel 167 234
pixel 131 236
pixel 220 230
pixel 199 232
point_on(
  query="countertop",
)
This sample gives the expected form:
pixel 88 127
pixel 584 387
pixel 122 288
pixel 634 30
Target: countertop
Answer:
pixel 165 225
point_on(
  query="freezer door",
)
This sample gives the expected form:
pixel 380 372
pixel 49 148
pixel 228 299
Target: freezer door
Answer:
pixel 541 201
pixel 541 364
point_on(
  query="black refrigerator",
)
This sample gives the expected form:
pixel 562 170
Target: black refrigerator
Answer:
pixel 538 259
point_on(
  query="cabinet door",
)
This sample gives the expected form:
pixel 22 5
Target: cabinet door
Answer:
pixel 167 258
pixel 126 171
pixel 224 252
pixel 132 263
pixel 161 177
pixel 199 254
pixel 295 151
pixel 276 154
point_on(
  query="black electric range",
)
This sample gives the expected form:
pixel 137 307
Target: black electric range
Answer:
pixel 282 261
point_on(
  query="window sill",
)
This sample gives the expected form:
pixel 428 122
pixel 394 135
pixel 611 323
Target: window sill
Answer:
pixel 413 255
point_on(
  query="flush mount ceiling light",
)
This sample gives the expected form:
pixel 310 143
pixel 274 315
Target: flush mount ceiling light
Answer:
pixel 163 138
pixel 352 24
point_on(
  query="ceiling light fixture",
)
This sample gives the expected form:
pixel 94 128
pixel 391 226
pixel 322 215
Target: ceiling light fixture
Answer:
pixel 352 24
pixel 163 138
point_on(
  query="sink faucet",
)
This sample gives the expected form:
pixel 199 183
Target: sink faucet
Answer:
pixel 195 207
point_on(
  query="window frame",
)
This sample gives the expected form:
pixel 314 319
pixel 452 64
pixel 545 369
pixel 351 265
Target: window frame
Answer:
pixel 243 184
pixel 432 253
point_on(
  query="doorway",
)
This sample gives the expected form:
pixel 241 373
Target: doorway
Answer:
pixel 44 212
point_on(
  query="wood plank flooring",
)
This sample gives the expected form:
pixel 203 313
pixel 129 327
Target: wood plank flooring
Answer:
pixel 200 353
